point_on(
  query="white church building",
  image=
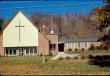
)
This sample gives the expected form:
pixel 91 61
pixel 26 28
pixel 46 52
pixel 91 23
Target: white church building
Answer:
pixel 21 37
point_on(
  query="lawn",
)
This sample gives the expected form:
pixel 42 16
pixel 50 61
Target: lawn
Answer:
pixel 33 66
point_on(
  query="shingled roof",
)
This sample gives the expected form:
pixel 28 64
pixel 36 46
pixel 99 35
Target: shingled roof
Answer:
pixel 81 40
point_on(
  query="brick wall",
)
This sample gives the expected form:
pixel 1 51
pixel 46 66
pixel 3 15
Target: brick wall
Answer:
pixel 52 37
pixel 1 45
pixel 54 40
pixel 43 45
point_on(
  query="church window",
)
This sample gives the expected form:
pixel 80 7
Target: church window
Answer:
pixel 14 51
pixel 6 51
pixel 52 46
pixel 27 51
pixel 10 51
pixel 85 44
pixel 78 44
pixel 35 50
pixel 31 51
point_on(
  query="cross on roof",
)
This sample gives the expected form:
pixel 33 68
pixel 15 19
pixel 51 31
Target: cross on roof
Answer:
pixel 19 26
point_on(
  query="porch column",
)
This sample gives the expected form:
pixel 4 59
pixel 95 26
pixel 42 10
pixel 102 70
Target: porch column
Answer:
pixel 17 52
pixel 12 52
pixel 57 48
pixel 29 51
pixel 24 52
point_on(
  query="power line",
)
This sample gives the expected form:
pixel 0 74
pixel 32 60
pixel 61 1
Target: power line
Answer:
pixel 47 6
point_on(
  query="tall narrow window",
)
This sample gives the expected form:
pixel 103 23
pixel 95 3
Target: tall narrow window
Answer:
pixel 78 44
pixel 27 51
pixel 52 46
pixel 10 51
pixel 85 44
pixel 71 45
pixel 14 51
pixel 6 51
pixel 31 51
pixel 66 45
pixel 35 51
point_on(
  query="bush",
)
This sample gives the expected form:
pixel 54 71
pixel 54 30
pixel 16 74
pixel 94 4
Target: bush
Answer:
pixel 69 49
pixel 76 49
pixel 91 57
pixel 82 49
pixel 92 47
pixel 83 57
pixel 68 57
pixel 76 57
pixel 105 48
pixel 101 47
pixel 60 58
pixel 50 54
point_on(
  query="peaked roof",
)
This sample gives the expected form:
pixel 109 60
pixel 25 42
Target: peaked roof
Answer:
pixel 19 12
pixel 28 20
pixel 81 40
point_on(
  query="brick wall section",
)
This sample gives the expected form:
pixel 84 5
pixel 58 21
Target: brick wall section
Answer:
pixel 43 45
pixel 54 40
pixel 52 37
pixel 1 45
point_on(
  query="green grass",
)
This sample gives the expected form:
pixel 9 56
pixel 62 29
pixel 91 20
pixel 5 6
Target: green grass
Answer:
pixel 22 60
pixel 32 65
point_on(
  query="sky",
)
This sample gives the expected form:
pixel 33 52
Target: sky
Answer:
pixel 8 8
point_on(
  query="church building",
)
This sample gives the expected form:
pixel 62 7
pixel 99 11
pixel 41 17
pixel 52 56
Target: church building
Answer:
pixel 22 38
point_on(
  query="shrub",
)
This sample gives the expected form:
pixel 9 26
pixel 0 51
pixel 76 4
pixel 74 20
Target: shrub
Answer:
pixel 101 60
pixel 76 49
pixel 92 47
pixel 50 54
pixel 76 57
pixel 82 49
pixel 60 58
pixel 101 47
pixel 91 57
pixel 68 57
pixel 82 57
pixel 69 49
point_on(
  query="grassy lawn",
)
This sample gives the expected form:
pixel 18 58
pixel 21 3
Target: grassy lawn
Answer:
pixel 33 66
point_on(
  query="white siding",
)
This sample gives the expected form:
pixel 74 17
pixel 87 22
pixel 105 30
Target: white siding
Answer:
pixel 29 33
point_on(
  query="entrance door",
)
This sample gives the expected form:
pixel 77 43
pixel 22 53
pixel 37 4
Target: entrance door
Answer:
pixel 61 47
pixel 21 53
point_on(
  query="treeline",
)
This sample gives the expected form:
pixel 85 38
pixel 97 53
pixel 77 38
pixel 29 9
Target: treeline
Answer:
pixel 69 25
